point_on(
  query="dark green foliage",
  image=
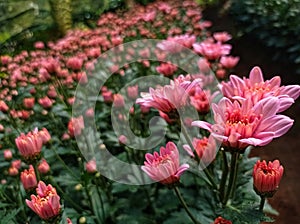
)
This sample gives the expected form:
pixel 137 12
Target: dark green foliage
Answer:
pixel 275 22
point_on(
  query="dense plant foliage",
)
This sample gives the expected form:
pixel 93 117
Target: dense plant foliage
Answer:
pixel 55 166
pixel 275 22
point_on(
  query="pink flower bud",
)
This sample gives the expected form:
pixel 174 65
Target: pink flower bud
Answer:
pixel 43 167
pixel 3 106
pixel 107 96
pixel 13 171
pixel 91 166
pixel 122 139
pixel 28 103
pixel 90 112
pixel 75 126
pixel 119 100
pixel 133 91
pixel 28 178
pixel 7 154
pixel 266 177
pixel 16 163
pixel 45 102
pixel 44 135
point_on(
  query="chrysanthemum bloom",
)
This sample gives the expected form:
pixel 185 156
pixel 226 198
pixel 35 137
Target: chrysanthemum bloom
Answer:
pixel 28 178
pixel 169 97
pixel 229 61
pixel 46 204
pixel 29 145
pixel 205 149
pixel 75 126
pixel 164 166
pixel 266 177
pixel 222 36
pixel 221 220
pixel 240 124
pixel 256 89
pixel 212 51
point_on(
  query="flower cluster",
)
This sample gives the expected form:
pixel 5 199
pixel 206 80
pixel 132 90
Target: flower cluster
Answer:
pixel 38 95
pixel 248 112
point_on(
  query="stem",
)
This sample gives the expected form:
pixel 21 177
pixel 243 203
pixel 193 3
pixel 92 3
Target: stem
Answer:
pixel 206 172
pixel 262 203
pixel 102 204
pixel 21 205
pixel 224 175
pixel 37 173
pixel 233 174
pixel 176 189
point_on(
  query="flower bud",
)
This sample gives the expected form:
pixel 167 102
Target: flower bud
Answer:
pixel 91 166
pixel 7 154
pixel 43 167
pixel 266 177
pixel 28 178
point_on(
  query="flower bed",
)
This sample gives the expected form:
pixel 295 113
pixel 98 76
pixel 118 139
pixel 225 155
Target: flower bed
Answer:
pixel 102 125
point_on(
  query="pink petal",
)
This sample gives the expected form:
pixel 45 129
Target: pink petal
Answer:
pixel 291 90
pixel 202 124
pixel 256 141
pixel 256 75
pixel 275 81
pixel 188 149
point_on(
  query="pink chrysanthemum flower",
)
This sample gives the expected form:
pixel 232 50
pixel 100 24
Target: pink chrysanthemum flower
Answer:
pixel 239 125
pixel 46 204
pixel 212 51
pixel 29 145
pixel 266 177
pixel 168 97
pixel 164 166
pixel 256 89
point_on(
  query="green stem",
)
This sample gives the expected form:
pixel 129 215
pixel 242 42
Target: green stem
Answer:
pixel 176 189
pixel 224 175
pixel 262 203
pixel 233 174
pixel 22 205
pixel 206 172
pixel 102 204
pixel 37 173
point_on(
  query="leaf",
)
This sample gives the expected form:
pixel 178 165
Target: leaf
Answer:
pixel 10 217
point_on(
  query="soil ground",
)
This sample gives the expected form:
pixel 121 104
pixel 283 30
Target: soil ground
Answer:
pixel 286 148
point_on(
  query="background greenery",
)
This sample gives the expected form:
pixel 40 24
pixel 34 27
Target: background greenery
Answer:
pixel 275 22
